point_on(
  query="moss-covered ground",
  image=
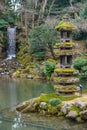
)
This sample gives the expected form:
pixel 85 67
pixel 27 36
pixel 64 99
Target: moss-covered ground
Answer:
pixel 47 97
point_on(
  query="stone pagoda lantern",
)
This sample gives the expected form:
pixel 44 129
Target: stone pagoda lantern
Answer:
pixel 65 78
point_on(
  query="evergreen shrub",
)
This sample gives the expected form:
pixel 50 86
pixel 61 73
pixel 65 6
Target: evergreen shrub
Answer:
pixel 49 68
pixel 79 63
pixel 39 55
pixel 3 23
pixel 55 101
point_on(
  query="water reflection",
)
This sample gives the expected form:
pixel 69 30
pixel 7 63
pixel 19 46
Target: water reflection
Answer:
pixel 18 122
pixel 13 92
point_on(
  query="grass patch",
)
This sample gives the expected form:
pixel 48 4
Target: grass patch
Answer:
pixel 74 108
pixel 85 91
pixel 47 97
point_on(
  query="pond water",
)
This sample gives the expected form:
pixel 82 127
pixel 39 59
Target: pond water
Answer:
pixel 13 92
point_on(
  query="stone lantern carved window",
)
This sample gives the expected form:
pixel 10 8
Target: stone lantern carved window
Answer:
pixel 66 36
pixel 69 60
pixel 61 34
pixel 65 61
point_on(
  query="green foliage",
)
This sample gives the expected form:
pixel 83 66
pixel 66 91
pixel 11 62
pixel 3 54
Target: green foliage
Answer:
pixel 79 63
pixel 41 37
pixel 49 68
pixel 84 68
pixel 8 14
pixel 57 6
pixel 80 35
pixel 36 41
pixel 55 101
pixel 3 23
pixel 83 13
pixel 83 75
pixel 48 97
pixel 39 55
pixel 40 70
pixel 77 1
pixel 74 108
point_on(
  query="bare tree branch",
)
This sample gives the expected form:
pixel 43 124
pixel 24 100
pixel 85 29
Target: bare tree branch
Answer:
pixel 42 10
pixel 51 7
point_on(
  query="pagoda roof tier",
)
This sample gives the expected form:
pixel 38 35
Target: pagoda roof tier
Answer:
pixel 64 52
pixel 65 44
pixel 66 71
pixel 66 80
pixel 66 26
pixel 66 89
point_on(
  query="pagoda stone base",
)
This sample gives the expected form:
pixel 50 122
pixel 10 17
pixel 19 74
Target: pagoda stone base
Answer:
pixel 67 89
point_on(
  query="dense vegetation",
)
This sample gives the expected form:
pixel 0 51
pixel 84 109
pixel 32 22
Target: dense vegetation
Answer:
pixel 36 20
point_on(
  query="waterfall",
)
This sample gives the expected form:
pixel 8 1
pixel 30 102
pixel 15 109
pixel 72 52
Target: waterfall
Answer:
pixel 11 46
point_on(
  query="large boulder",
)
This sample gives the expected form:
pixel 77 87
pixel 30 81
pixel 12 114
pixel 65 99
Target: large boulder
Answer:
pixel 65 108
pixel 16 74
pixel 72 114
pixel 30 107
pixel 83 115
pixel 29 77
pixel 23 105
pixel 43 105
pixel 80 104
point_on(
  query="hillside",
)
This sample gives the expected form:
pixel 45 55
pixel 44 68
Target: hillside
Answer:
pixel 36 34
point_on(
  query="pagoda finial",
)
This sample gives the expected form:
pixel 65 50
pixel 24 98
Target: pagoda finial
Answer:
pixel 66 18
pixel 65 24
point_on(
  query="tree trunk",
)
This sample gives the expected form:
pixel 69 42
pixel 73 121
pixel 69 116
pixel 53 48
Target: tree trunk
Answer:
pixel 36 3
pixel 26 19
pixel 33 19
pixel 42 10
pixel 70 3
pixel 33 13
pixel 51 50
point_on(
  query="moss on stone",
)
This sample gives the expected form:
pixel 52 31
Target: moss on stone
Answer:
pixel 68 43
pixel 74 108
pixel 66 52
pixel 65 43
pixel 63 25
pixel 52 110
pixel 47 97
pixel 65 70
pixel 79 120
pixel 58 44
pixel 66 80
pixel 51 60
pixel 60 114
pixel 66 88
pixel 23 105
